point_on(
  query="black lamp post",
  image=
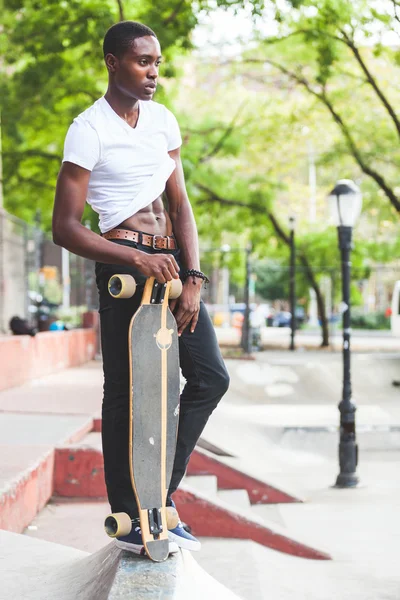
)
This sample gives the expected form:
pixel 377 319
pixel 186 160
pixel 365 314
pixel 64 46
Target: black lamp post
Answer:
pixel 246 341
pixel 345 202
pixel 292 282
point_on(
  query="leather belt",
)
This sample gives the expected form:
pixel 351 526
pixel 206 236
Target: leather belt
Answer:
pixel 158 242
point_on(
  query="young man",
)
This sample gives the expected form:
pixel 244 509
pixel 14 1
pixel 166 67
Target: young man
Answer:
pixel 120 155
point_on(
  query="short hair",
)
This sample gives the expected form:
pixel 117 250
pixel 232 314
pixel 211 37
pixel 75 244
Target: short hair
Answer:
pixel 121 36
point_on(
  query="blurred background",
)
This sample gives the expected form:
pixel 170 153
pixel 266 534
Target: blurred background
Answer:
pixel 276 102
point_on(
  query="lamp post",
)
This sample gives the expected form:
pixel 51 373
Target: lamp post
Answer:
pixel 345 202
pixel 292 282
pixel 246 342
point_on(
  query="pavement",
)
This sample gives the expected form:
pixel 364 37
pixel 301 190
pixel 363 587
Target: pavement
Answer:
pixel 279 420
pixel 279 338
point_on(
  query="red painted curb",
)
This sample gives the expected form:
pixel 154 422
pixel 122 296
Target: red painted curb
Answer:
pixel 79 473
pixel 208 519
pixel 20 504
pixel 97 424
pixel 47 352
pixel 29 492
pixel 230 478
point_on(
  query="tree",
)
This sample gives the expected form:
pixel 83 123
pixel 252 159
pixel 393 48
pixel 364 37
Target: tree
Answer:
pixel 53 69
pixel 246 161
pixel 336 51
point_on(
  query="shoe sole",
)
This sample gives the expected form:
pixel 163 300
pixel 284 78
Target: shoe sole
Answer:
pixel 140 550
pixel 183 542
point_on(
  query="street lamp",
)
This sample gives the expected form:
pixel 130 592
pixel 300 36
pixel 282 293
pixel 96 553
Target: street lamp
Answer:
pixel 246 332
pixel 292 282
pixel 345 202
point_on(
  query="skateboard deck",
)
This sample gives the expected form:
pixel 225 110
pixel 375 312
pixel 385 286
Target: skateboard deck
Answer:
pixel 153 410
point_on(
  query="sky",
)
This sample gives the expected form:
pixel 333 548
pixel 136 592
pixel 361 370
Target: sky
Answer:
pixel 223 33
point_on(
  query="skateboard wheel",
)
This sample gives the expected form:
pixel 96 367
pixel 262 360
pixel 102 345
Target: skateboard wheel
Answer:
pixel 175 289
pixel 172 517
pixel 118 524
pixel 121 286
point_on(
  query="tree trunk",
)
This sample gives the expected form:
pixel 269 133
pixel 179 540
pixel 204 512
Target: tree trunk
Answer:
pixel 320 301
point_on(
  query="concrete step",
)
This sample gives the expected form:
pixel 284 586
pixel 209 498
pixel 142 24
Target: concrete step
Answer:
pixel 91 440
pixel 234 474
pixel 203 483
pixel 238 498
pixel 258 573
pixel 269 513
pixel 216 518
pixel 27 461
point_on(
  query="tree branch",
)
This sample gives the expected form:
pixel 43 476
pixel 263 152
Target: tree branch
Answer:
pixel 396 5
pixel 285 238
pixel 30 153
pixel 174 14
pixel 223 137
pixel 322 96
pixel 121 10
pixel 372 81
pixel 377 177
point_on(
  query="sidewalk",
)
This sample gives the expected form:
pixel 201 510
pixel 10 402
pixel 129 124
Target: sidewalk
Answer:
pixel 280 418
pixel 279 338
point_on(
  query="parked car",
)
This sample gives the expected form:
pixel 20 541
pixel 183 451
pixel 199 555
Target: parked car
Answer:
pixel 282 318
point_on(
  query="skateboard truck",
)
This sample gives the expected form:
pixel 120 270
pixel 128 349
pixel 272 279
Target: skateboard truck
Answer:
pixel 155 521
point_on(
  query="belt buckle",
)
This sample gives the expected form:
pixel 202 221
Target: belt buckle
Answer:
pixel 155 247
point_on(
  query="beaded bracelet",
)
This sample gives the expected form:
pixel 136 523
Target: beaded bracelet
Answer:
pixel 194 273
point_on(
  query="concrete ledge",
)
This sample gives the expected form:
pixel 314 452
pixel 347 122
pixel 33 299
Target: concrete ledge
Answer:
pixel 25 358
pixel 204 463
pixel 49 571
pixel 22 499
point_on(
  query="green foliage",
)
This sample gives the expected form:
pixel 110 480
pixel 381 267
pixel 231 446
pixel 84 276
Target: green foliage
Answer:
pixel 272 281
pixel 246 154
pixel 377 320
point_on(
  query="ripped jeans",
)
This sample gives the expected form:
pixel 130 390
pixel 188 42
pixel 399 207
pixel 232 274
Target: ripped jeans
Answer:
pixel 202 366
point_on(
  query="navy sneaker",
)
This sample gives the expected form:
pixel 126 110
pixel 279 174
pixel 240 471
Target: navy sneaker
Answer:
pixel 177 533
pixel 134 543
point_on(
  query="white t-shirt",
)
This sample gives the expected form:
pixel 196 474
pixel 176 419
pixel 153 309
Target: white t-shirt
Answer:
pixel 129 166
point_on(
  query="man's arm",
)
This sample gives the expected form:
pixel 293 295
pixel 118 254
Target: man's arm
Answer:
pixel 68 231
pixel 185 231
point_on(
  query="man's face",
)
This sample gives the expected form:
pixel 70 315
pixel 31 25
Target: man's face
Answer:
pixel 135 73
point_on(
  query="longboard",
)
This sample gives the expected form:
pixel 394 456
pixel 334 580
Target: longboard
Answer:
pixel 153 409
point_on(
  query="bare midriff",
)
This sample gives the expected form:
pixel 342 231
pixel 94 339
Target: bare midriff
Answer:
pixel 152 219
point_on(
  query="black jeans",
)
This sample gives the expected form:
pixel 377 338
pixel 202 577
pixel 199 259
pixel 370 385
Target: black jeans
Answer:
pixel 202 366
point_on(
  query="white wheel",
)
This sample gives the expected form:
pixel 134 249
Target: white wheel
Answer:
pixel 172 517
pixel 176 289
pixel 122 286
pixel 118 524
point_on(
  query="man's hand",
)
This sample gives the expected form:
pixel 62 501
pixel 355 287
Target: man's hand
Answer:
pixel 161 266
pixel 186 308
